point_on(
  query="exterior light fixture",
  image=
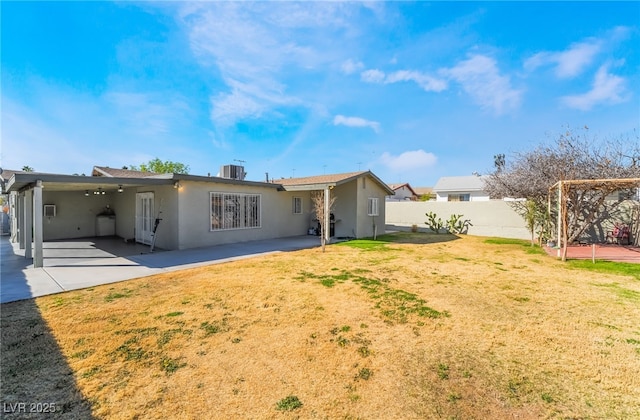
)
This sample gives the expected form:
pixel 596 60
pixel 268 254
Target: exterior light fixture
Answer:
pixel 176 185
pixel 120 188
pixel 86 193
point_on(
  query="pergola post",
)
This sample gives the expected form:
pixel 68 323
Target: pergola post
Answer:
pixel 38 208
pixel 559 218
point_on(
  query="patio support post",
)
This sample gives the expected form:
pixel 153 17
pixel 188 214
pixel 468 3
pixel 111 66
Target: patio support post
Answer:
pixel 20 219
pixel 28 223
pixel 327 233
pixel 13 212
pixel 38 208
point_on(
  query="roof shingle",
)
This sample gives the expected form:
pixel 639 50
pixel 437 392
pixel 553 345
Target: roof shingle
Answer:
pixel 121 173
pixel 319 179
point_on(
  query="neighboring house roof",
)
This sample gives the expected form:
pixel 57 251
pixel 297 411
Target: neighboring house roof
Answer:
pixel 459 183
pixel 423 190
pixel 8 173
pixel 396 187
pixel 123 173
pixel 325 181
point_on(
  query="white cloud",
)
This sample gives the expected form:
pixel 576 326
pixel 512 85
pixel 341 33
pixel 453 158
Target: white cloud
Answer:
pixel 574 60
pixel 481 79
pixel 410 160
pixel 217 142
pixel 372 76
pixel 425 81
pixel 569 63
pixel 350 66
pixel 356 122
pixel 227 107
pixel 254 46
pixel 144 113
pixel 606 89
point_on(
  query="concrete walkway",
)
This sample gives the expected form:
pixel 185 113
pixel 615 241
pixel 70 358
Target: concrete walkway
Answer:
pixel 72 265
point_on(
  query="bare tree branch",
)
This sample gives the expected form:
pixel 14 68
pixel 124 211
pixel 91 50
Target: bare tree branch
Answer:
pixel 574 155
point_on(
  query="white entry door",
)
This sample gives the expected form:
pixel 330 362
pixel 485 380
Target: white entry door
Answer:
pixel 144 217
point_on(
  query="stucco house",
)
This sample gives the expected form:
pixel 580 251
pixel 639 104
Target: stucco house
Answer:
pixel 403 192
pixel 461 188
pixel 193 211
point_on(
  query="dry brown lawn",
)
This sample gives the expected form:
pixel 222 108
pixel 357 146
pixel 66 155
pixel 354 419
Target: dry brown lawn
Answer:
pixel 427 327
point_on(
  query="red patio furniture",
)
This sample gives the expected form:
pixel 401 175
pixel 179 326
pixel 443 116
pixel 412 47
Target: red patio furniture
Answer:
pixel 619 235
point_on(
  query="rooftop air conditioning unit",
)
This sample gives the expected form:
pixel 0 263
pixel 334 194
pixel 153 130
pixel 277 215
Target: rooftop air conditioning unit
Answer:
pixel 233 172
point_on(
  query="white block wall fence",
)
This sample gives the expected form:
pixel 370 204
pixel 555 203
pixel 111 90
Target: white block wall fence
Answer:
pixel 489 218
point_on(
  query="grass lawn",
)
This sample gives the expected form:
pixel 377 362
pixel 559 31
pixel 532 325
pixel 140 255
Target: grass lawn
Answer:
pixel 411 326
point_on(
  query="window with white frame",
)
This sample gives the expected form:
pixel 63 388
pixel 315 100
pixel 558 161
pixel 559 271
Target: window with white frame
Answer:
pixel 297 205
pixel 459 197
pixel 372 207
pixel 235 211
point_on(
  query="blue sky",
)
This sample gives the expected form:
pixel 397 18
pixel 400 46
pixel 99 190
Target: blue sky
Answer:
pixel 411 90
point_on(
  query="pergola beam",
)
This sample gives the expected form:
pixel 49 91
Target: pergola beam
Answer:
pixel 626 182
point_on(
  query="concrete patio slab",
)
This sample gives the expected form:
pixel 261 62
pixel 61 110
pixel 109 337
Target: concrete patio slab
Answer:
pixel 71 265
pixel 607 252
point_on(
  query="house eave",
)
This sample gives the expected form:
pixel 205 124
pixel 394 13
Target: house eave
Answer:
pixel 57 182
pixel 219 180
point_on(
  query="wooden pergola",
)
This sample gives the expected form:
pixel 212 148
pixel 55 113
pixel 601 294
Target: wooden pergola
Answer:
pixel 564 186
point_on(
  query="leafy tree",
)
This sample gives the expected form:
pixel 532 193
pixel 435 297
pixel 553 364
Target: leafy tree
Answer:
pixel 160 167
pixel 27 168
pixel 536 218
pixel 574 155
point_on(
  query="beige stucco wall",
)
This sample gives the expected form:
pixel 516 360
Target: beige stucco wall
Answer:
pixel 277 218
pixel 368 188
pixel 75 214
pixel 344 209
pixel 489 218
pixel 165 199
pixel 186 219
